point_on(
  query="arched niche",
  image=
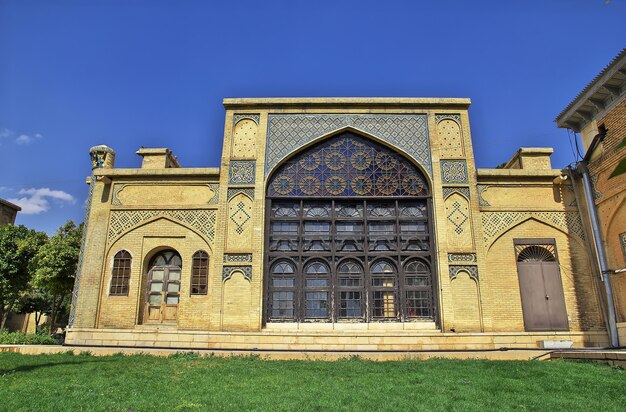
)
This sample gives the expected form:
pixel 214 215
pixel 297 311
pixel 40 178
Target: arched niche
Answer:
pixel 244 139
pixel 349 196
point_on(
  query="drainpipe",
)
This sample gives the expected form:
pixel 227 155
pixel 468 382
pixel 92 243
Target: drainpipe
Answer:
pixel 600 252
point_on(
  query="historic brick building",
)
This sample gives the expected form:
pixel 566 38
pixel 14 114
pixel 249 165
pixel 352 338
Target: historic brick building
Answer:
pixel 336 224
pixel 8 212
pixel 598 113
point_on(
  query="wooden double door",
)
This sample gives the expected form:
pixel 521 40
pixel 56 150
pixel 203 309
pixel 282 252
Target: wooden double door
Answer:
pixel 163 288
pixel 541 289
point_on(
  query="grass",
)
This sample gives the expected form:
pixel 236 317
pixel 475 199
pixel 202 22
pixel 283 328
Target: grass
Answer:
pixel 19 338
pixel 186 382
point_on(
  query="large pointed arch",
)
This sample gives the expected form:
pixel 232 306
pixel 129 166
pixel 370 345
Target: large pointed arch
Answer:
pixel 345 164
pixel 349 197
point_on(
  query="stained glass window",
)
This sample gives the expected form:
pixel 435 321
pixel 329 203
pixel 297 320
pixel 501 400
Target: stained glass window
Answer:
pixel 349 237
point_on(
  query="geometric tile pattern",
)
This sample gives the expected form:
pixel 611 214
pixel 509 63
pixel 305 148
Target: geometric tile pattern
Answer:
pixel 447 191
pixel 481 200
pixel 234 192
pixel 496 223
pixel 471 270
pixel 81 256
pixel 596 194
pixel 202 221
pixel 453 171
pixel 227 271
pixel 347 165
pixel 462 257
pixel 216 197
pixel 455 117
pixel 242 172
pixel 241 116
pixel 240 217
pixel 238 258
pixel 457 217
pixel 287 132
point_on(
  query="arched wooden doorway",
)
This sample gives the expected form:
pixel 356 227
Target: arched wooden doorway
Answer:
pixel 541 290
pixel 162 293
pixel 349 236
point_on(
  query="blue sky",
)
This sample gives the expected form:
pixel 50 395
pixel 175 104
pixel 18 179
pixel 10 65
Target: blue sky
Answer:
pixel 74 74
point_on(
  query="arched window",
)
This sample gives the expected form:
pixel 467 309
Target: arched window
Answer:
pixel 384 278
pixel 283 283
pixel 350 290
pixel 316 289
pixel 200 273
pixel 417 289
pixel 121 273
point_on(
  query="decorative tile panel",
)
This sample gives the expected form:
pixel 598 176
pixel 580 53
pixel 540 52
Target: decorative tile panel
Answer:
pixel 462 257
pixel 457 216
pixel 227 271
pixel 481 200
pixel 447 191
pixel 246 191
pixel 118 187
pixel 216 189
pixel 452 116
pixel 288 132
pixel 453 171
pixel 594 187
pixel 238 258
pixel 203 221
pixel 240 217
pixel 347 165
pixel 240 116
pixel 471 270
pixel 622 239
pixel 496 223
pixel 242 172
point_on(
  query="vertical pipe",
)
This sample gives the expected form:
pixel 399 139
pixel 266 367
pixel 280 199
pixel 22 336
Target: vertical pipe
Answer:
pixel 604 270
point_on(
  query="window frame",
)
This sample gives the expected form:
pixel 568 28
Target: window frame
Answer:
pixel 125 278
pixel 204 277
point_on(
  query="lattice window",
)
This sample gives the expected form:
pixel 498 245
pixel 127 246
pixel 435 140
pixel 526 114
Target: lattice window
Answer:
pixel 200 273
pixel 535 252
pixel 120 275
pixel 329 255
pixel 348 165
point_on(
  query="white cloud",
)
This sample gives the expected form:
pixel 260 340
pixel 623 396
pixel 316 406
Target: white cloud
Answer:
pixel 6 134
pixel 22 139
pixel 37 201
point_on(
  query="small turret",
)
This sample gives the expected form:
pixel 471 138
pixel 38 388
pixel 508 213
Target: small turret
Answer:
pixel 102 157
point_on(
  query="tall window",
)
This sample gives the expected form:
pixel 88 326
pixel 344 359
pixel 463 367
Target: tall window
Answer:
pixel 121 274
pixel 349 237
pixel 200 273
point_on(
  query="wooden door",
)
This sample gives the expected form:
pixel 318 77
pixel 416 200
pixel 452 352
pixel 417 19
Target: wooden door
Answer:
pixel 541 290
pixel 163 289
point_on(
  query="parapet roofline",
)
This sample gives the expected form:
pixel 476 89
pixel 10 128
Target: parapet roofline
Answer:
pixel 347 101
pixel 10 205
pixel 607 85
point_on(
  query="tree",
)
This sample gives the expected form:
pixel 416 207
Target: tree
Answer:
pixel 34 301
pixel 18 246
pixel 56 265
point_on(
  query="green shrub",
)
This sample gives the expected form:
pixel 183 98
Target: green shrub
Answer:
pixel 19 338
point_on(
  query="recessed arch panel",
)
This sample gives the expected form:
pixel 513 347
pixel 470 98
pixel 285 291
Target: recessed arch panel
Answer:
pixel 349 235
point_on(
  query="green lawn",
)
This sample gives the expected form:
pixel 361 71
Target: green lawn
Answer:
pixel 186 382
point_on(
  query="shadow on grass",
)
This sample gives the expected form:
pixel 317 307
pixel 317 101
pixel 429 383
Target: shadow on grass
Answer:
pixel 30 368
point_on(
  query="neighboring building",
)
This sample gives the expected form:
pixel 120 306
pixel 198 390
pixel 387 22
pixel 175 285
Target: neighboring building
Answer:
pixel 335 224
pixel 8 212
pixel 598 113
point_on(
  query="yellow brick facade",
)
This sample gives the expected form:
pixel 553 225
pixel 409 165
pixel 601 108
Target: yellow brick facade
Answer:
pixel 477 215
